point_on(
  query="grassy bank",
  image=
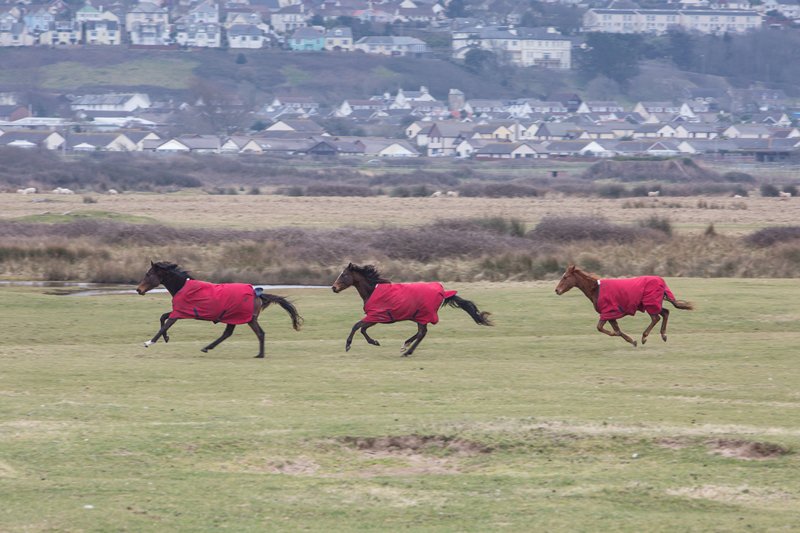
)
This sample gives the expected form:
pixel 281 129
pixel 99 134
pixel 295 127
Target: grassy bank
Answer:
pixel 538 422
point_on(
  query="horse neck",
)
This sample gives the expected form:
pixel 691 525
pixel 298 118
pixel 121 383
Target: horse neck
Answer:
pixel 364 287
pixel 587 285
pixel 173 281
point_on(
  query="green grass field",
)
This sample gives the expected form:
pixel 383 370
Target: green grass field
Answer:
pixel 538 424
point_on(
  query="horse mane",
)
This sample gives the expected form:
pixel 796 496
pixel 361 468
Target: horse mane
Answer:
pixel 172 268
pixel 590 275
pixel 371 274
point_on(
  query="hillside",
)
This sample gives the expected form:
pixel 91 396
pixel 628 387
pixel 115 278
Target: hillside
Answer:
pixel 264 73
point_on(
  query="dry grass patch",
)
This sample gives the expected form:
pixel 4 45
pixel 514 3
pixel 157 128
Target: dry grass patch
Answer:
pixel 743 494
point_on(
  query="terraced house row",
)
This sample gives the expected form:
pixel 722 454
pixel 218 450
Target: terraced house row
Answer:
pixel 203 23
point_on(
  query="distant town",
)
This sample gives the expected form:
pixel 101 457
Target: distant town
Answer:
pixel 311 25
pixel 753 124
pixel 749 124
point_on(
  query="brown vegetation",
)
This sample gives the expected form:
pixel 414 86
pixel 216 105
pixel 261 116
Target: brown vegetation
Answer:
pixel 492 248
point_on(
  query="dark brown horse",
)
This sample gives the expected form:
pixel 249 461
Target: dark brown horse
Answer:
pixel 387 302
pixel 208 301
pixel 615 298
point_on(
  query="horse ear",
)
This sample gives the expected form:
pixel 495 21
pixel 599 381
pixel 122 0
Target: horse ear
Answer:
pixel 152 264
pixel 350 265
pixel 570 268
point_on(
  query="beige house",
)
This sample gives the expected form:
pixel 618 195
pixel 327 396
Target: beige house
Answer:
pixel 122 103
pixel 105 31
pixel 288 19
pixel 148 25
pixel 15 34
pixel 661 20
pixel 94 142
pixel 506 150
pixel 391 45
pixel 524 47
pixel 339 39
pixel 50 140
pixel 63 32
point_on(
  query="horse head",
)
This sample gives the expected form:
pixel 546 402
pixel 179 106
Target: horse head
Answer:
pixel 154 276
pixel 344 280
pixel 568 280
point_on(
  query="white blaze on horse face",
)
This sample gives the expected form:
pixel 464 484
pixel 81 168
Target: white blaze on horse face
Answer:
pixel 336 281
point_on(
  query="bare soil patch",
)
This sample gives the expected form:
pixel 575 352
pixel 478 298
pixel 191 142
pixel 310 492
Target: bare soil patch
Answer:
pixel 673 443
pixel 404 444
pixel 749 450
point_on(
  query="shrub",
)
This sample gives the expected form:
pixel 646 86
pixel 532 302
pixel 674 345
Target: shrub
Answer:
pixel 611 191
pixel 338 189
pixel 738 177
pixel 773 235
pixel 657 223
pixel 569 229
pixel 769 190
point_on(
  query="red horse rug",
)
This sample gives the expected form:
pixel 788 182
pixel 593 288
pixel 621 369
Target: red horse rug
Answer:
pixel 230 303
pixel 619 297
pixel 392 302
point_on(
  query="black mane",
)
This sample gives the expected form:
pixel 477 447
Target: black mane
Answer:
pixel 370 273
pixel 171 268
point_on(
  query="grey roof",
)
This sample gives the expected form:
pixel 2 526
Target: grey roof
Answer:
pixel 393 40
pixel 245 30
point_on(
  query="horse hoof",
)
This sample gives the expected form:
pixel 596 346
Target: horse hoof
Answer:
pixel 347 348
pixel 147 344
pixel 634 344
pixel 166 339
pixel 204 350
pixel 664 337
pixel 644 340
pixel 261 356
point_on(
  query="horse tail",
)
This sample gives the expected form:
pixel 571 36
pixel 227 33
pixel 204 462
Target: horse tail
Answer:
pixel 267 299
pixel 682 304
pixel 480 317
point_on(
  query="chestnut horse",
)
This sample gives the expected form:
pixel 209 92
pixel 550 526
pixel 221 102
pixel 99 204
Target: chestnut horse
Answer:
pixel 242 312
pixel 615 298
pixel 417 302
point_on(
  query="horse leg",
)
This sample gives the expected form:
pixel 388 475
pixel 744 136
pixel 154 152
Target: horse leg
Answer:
pixel 423 330
pixel 619 332
pixel 163 319
pixel 364 329
pixel 616 333
pixel 225 334
pixel 352 333
pixel 256 327
pixel 665 314
pixel 653 321
pixel 409 340
pixel 162 332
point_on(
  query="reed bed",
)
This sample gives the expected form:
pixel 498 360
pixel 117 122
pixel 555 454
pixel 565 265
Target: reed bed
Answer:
pixel 491 248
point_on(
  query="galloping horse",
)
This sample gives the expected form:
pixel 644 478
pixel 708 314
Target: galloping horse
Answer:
pixel 231 303
pixel 615 298
pixel 386 302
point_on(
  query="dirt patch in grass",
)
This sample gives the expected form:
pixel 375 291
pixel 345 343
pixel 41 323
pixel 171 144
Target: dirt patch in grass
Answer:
pixel 7 471
pixel 296 466
pixel 673 443
pixel 300 466
pixel 749 450
pixel 404 444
